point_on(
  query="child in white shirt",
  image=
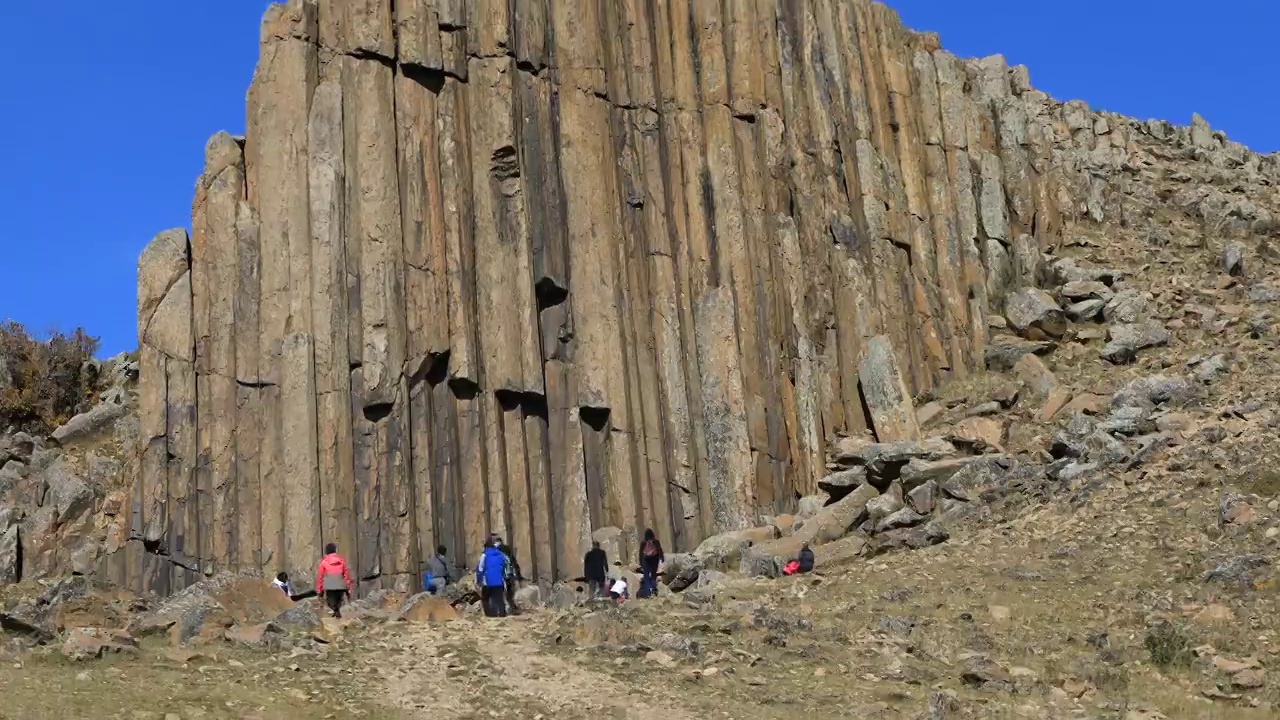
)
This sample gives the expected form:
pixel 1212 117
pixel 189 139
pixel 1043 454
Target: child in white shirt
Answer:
pixel 619 589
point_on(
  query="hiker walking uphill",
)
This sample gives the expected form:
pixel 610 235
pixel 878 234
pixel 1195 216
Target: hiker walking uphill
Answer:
pixel 651 559
pixel 513 576
pixel 491 574
pixel 333 581
pixel 595 568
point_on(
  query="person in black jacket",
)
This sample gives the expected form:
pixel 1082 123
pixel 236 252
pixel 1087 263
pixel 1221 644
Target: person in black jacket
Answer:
pixel 595 568
pixel 805 559
pixel 651 558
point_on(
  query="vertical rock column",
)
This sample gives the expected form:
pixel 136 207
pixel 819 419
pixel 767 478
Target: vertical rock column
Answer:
pixel 167 397
pixel 330 320
pixel 562 268
pixel 276 156
pixel 216 280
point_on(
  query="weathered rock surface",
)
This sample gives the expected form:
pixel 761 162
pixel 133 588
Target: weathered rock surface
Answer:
pixel 1128 338
pixel 540 284
pixel 1035 314
pixel 1004 351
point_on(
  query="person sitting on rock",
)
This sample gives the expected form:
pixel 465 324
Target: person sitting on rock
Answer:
pixel 333 581
pixel 805 558
pixel 438 571
pixel 491 573
pixel 282 582
pixel 595 568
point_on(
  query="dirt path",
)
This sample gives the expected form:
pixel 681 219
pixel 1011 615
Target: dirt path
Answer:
pixel 481 668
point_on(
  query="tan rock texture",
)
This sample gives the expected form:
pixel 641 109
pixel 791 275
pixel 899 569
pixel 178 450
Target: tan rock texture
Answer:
pixel 562 265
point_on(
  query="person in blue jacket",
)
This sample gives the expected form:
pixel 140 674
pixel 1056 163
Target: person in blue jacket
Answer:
pixel 491 575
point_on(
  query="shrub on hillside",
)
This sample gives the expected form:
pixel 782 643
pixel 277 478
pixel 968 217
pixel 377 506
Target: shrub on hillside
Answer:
pixel 41 383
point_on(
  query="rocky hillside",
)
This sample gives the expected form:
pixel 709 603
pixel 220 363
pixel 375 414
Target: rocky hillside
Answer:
pixel 572 271
pixel 1080 531
pixel 1009 372
pixel 63 496
pixel 950 176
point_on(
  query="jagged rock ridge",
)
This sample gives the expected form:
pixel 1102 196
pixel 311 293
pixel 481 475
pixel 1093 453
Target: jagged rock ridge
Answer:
pixel 550 267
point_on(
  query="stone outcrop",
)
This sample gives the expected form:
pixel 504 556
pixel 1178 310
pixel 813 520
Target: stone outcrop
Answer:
pixel 546 267
pixel 63 497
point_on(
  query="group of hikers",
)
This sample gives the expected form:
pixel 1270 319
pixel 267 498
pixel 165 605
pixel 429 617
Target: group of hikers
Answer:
pixel 498 574
pixel 595 569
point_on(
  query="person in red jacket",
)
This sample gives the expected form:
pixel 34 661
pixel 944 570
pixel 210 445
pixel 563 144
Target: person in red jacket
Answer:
pixel 332 579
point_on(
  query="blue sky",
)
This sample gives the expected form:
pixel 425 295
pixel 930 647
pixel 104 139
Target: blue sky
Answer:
pixel 105 113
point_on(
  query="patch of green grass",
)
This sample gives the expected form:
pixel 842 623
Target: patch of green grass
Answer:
pixel 1168 645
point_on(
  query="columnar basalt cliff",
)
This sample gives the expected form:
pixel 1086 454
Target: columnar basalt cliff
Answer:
pixel 564 268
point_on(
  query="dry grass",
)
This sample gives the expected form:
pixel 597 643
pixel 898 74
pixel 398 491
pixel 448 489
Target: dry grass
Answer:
pixel 224 683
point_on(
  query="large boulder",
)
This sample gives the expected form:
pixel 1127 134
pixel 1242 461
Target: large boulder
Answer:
pixel 304 615
pixel 68 494
pixel 837 519
pixel 619 545
pixel 842 482
pixel 879 508
pixel 90 425
pixel 969 482
pixel 60 535
pixel 922 472
pixel 768 559
pixel 211 606
pixel 883 462
pixel 1085 309
pixel 914 538
pixel 425 607
pixel 682 570
pixel 980 434
pixel 924 498
pixel 1004 351
pixel 902 518
pixel 84 644
pixel 1035 376
pixel 1128 306
pixel 718 551
pixel 1034 314
pixel 90 611
pixel 811 505
pixel 1154 390
pixel 1128 338
pixel 1078 290
pixel 885 393
pixel 1067 270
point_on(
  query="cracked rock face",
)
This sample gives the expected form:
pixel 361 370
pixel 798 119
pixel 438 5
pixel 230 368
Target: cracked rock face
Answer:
pixel 473 270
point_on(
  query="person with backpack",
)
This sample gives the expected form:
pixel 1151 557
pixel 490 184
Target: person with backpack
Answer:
pixel 651 558
pixel 513 576
pixel 333 580
pixel 491 573
pixel 595 568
